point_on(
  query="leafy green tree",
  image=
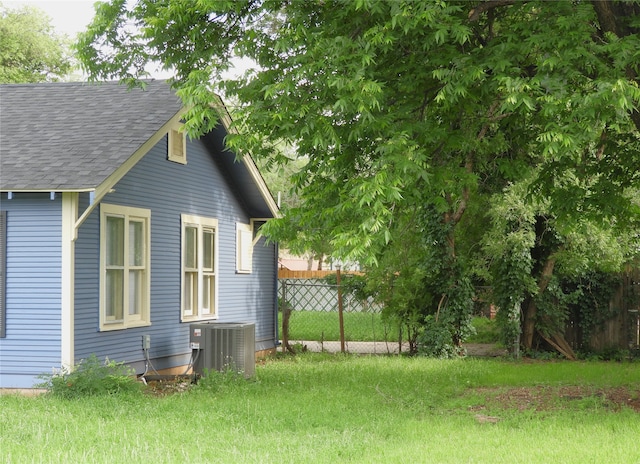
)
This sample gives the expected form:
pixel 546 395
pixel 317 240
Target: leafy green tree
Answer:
pixel 30 50
pixel 539 263
pixel 280 179
pixel 405 108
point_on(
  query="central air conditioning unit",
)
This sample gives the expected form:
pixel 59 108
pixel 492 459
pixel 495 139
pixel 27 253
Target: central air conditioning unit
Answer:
pixel 222 346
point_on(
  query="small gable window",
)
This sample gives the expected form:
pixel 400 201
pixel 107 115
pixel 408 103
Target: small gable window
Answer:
pixel 244 248
pixel 177 146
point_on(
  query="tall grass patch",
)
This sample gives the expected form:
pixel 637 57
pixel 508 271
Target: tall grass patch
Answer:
pixel 321 408
pixel 91 377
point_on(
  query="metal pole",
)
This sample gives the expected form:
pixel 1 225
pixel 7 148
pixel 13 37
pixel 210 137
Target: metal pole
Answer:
pixel 285 318
pixel 340 317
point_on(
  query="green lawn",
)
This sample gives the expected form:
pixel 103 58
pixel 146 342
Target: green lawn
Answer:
pixel 487 330
pixel 320 408
pixel 365 327
pixel 325 325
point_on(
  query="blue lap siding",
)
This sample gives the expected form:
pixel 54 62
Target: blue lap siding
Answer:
pixel 33 295
pixel 170 189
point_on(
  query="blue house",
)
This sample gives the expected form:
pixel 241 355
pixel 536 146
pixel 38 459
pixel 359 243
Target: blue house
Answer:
pixel 116 229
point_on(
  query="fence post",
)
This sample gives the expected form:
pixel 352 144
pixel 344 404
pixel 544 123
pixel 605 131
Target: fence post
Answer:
pixel 340 317
pixel 286 312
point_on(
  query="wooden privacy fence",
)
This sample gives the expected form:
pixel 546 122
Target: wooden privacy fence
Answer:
pixel 621 331
pixel 289 274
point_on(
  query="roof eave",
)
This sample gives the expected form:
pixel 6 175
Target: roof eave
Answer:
pixel 225 119
pixel 47 190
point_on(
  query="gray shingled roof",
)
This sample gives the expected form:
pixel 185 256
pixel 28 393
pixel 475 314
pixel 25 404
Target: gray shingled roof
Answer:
pixel 72 136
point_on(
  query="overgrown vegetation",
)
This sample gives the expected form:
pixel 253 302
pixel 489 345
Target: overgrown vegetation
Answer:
pixel 220 382
pixel 486 330
pixel 91 377
pixel 547 270
pixel 333 408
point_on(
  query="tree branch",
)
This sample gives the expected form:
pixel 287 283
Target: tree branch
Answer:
pixel 612 17
pixel 469 166
pixel 491 118
pixel 475 13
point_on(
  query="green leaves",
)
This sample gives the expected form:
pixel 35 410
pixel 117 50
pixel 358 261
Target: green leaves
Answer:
pixel 31 51
pixel 401 107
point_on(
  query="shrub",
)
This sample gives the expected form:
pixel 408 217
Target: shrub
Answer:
pixel 92 377
pixel 435 340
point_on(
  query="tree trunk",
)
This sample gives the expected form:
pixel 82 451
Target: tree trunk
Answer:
pixel 529 324
pixel 556 340
pixel 286 314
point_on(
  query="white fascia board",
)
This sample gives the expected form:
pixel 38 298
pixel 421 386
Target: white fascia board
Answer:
pixel 262 185
pixel 48 190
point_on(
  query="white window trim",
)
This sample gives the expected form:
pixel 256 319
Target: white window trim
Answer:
pixel 172 155
pixel 128 213
pixel 200 223
pixel 244 248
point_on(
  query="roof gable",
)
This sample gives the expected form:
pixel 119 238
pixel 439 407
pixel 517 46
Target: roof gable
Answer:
pixel 83 137
pixel 72 136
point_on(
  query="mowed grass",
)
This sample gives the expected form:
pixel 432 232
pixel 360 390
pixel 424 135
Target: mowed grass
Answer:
pixel 325 326
pixel 366 327
pixel 320 408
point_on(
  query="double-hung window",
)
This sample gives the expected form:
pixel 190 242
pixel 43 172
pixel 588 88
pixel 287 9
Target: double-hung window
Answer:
pixel 125 241
pixel 199 267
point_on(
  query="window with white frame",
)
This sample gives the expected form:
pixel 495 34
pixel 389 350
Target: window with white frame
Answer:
pixel 177 145
pixel 244 248
pixel 125 242
pixel 199 268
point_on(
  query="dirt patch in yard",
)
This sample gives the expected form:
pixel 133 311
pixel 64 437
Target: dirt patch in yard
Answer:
pixel 167 385
pixel 490 350
pixel 545 398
